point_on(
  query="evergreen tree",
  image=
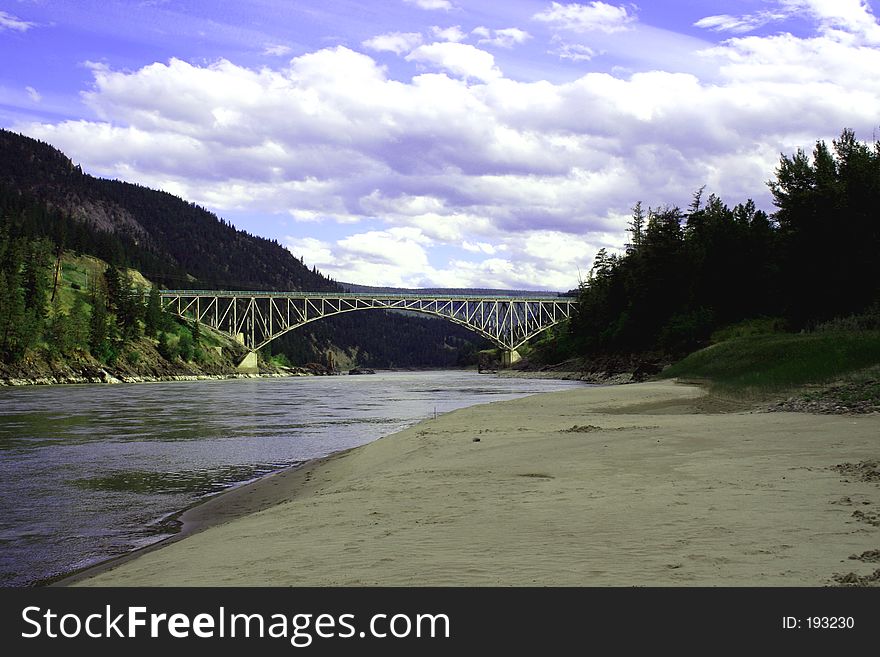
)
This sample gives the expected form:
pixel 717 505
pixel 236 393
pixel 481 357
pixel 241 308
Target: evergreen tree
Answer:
pixel 130 308
pixel 58 335
pixel 153 313
pixel 16 320
pixel 126 301
pixel 36 277
pixel 113 283
pixel 829 199
pixel 165 349
pixel 13 340
pixel 636 228
pixel 99 331
pixel 185 347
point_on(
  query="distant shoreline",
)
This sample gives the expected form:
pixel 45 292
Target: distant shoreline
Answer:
pixel 103 376
pixel 110 379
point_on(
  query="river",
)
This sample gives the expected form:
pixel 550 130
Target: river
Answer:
pixel 88 472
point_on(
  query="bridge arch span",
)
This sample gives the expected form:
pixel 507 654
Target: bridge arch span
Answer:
pixel 257 318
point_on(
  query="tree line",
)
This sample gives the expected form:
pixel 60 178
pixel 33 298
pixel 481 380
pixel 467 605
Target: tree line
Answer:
pixel 103 321
pixel 685 273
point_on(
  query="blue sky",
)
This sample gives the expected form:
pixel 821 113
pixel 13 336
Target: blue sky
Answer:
pixel 439 142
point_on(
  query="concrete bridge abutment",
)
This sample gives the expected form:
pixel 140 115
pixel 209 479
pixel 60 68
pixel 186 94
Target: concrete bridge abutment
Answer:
pixel 249 365
pixel 509 357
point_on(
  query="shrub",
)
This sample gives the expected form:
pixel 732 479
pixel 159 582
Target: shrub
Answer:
pixel 165 348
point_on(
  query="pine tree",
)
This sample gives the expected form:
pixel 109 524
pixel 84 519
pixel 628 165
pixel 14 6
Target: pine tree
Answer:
pixel 99 331
pixel 125 301
pixel 20 326
pixel 636 228
pixel 112 279
pixel 164 347
pixel 829 200
pixel 131 308
pixel 36 277
pixel 58 331
pixel 12 317
pixel 185 347
pixel 153 313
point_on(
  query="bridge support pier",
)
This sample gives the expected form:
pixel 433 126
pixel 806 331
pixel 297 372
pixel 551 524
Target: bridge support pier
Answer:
pixel 510 357
pixel 249 365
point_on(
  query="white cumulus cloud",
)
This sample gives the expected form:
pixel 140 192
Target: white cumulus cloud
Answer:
pixel 393 256
pixel 396 42
pixel 452 33
pixel 507 37
pixel 460 59
pixel 847 19
pixel 575 52
pixel 594 16
pixel 836 17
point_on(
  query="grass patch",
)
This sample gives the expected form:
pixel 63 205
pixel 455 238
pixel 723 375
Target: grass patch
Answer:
pixel 764 364
pixel 749 328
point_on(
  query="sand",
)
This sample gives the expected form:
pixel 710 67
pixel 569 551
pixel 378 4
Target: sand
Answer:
pixel 636 485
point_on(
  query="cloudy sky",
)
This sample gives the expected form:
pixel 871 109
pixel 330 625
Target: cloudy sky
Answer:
pixel 439 142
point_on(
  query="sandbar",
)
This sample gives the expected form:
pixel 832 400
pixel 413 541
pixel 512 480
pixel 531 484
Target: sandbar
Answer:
pixel 634 485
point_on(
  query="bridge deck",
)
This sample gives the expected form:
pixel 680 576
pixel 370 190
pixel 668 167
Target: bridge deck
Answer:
pixel 364 295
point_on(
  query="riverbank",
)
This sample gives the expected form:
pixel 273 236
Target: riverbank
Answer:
pixel 102 376
pixel 598 378
pixel 645 484
pixel 602 370
pixel 142 363
pixel 96 373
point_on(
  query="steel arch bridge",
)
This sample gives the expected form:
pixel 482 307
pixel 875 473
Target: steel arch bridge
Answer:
pixel 256 318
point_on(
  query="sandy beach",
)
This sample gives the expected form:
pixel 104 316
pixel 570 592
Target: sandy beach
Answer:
pixel 636 485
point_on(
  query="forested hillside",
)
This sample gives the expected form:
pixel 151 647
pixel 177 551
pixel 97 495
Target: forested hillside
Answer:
pixel 49 207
